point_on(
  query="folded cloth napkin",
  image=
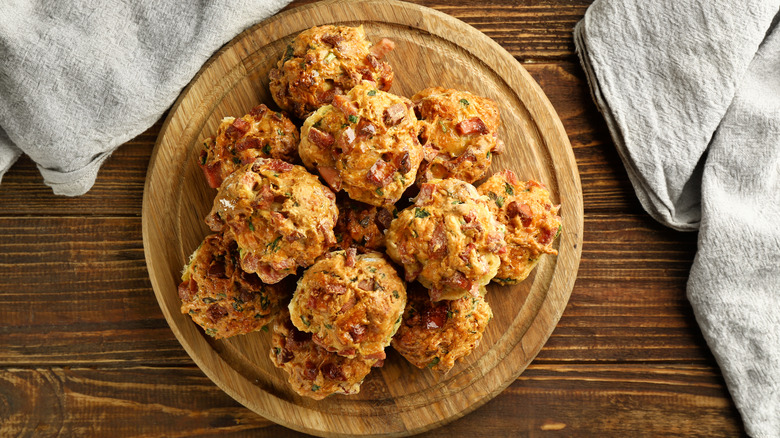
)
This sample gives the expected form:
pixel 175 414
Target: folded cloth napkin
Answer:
pixel 79 78
pixel 691 95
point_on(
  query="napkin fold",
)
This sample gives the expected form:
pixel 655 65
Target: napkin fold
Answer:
pixel 691 95
pixel 79 78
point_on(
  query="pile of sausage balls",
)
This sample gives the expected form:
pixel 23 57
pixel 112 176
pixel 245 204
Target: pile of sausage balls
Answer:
pixel 325 199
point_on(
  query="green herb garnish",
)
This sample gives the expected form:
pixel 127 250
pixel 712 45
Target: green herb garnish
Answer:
pixel 372 93
pixel 432 363
pixel 508 189
pixel 464 102
pixel 421 213
pixel 353 119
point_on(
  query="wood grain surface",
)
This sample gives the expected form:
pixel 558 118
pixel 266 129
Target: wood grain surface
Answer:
pixel 86 351
pixel 431 49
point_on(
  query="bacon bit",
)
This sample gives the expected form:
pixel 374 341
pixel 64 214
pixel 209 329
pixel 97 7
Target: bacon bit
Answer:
pixel 214 222
pixel 394 114
pixel 365 128
pixel 403 162
pixel 332 371
pixel 252 280
pixel 327 95
pixel 382 48
pixel 474 125
pixel 511 177
pixel 372 61
pixel 295 235
pixel 437 246
pixel 434 317
pixel 358 332
pixel 283 265
pixel 217 269
pixel 266 272
pixel 259 110
pixel 332 40
pixel 459 280
pixel 496 243
pixel 546 235
pixel 345 105
pixel 216 312
pixel 321 138
pixel 237 129
pixel 412 271
pixel 346 139
pixel 378 364
pixel 187 290
pixel 248 143
pixel 350 303
pixel 380 173
pixel 331 176
pixel 379 355
pixel 264 198
pixel 499 147
pixel 246 295
pixel 213 173
pixel 523 210
pixel 383 218
pixel 310 370
pixel 350 257
pixel 367 285
pixel 425 195
pixel 279 166
pixel 285 356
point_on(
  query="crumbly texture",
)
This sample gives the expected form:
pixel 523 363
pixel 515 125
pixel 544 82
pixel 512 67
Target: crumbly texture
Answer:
pixel 260 134
pixel 313 371
pixel 448 240
pixel 364 142
pixel 222 298
pixel 326 61
pixel 531 220
pixel 459 133
pixel 435 334
pixel 280 215
pixel 351 303
pixel 362 226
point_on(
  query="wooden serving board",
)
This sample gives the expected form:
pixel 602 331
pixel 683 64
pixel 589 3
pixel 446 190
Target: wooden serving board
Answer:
pixel 432 49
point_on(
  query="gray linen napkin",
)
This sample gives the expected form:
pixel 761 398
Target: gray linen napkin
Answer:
pixel 79 78
pixel 691 95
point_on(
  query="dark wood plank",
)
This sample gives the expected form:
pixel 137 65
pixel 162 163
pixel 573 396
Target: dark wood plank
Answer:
pixel 76 291
pixel 530 30
pixel 589 400
pixel 118 190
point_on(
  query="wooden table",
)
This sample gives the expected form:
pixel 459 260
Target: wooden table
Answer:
pixel 85 350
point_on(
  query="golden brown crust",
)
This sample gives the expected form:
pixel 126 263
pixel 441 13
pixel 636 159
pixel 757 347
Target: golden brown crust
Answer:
pixel 459 134
pixel 448 240
pixel 366 143
pixel 313 371
pixel 222 298
pixel 260 134
pixel 435 334
pixel 280 215
pixel 326 61
pixel 531 220
pixel 352 303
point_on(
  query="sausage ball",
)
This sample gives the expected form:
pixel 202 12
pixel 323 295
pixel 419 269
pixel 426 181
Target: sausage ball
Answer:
pixel 458 131
pixel 313 371
pixel 260 134
pixel 351 303
pixel 362 226
pixel 531 220
pixel 326 61
pixel 435 334
pixel 280 215
pixel 448 240
pixel 222 298
pixel 364 142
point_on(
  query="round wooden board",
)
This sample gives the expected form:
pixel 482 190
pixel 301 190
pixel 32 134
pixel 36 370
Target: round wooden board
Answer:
pixel 432 49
